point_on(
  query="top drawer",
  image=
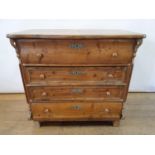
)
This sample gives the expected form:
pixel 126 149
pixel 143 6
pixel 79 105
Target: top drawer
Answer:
pixel 74 52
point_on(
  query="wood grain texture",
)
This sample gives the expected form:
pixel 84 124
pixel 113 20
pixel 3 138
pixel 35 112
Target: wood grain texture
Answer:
pixel 72 111
pixel 68 75
pixel 75 33
pixel 73 74
pixel 47 94
pixel 139 119
pixel 108 51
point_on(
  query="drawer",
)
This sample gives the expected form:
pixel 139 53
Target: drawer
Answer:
pixel 72 111
pixel 47 94
pixel 75 75
pixel 76 52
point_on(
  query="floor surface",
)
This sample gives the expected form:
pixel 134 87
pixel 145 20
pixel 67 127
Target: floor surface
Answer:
pixel 139 119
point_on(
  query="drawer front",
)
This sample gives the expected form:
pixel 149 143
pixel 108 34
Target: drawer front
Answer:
pixel 47 94
pixel 76 111
pixel 51 75
pixel 74 52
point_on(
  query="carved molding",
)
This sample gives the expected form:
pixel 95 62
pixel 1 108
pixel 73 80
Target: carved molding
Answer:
pixel 13 43
pixel 138 43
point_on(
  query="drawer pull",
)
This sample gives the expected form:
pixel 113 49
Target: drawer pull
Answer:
pixel 76 107
pixel 106 110
pixel 42 76
pixel 44 94
pixel 108 93
pixel 39 55
pixel 76 45
pixel 110 76
pixel 46 110
pixel 76 73
pixel 77 90
pixel 114 54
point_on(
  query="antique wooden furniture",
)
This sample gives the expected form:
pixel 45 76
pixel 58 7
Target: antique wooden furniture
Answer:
pixel 76 75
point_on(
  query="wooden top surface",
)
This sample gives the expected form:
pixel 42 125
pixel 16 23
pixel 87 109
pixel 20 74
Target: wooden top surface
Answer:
pixel 74 34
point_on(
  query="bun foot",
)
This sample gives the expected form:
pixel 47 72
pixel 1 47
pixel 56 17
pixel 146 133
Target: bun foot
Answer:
pixel 116 123
pixel 37 124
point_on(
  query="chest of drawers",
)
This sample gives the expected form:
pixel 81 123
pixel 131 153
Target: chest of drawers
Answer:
pixel 76 75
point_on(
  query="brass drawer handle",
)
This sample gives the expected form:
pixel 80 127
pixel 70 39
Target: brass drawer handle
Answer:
pixel 76 45
pixel 77 90
pixel 76 107
pixel 77 73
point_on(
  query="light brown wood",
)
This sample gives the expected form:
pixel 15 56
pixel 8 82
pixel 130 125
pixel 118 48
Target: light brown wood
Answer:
pixel 107 51
pixel 56 93
pixel 48 75
pixel 116 123
pixel 74 111
pixel 74 33
pixel 139 113
pixel 60 67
